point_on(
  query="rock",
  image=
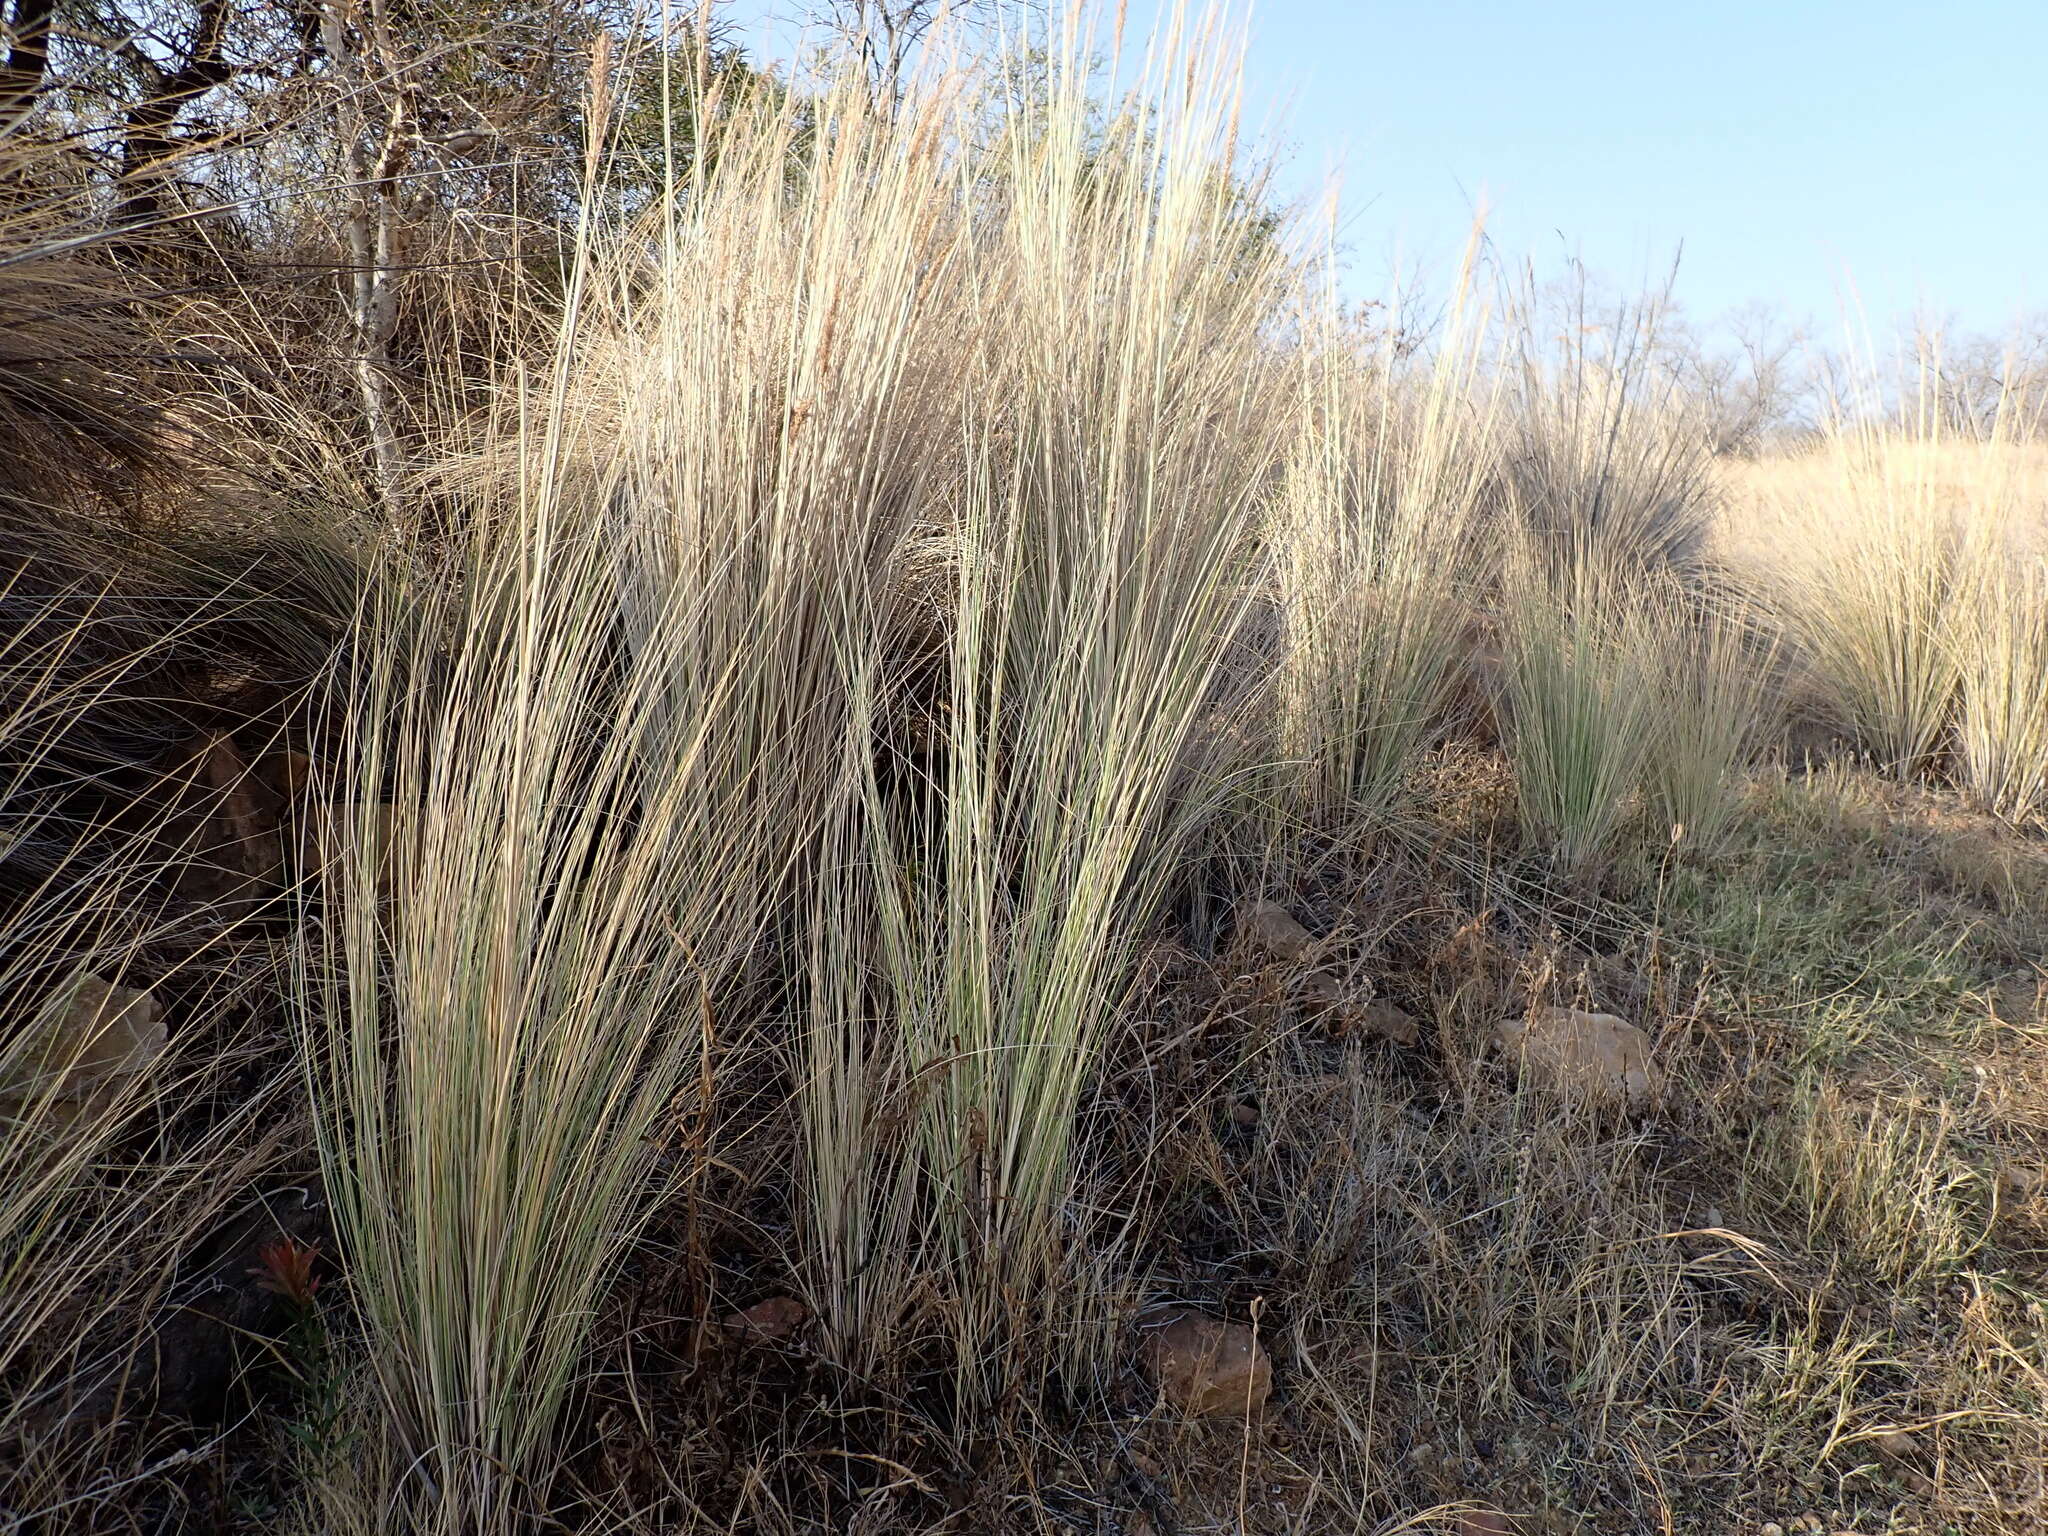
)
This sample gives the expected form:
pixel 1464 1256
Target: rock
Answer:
pixel 90 1044
pixel 226 835
pixel 1271 928
pixel 1245 1114
pixel 1772 1529
pixel 1593 1057
pixel 1485 1522
pixel 286 772
pixel 1382 1018
pixel 768 1322
pixel 1899 1450
pixel 2018 1183
pixel 120 1030
pixel 1207 1368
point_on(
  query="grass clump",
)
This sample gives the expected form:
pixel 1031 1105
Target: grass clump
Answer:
pixel 1874 552
pixel 1580 702
pixel 1606 450
pixel 571 797
pixel 1100 563
pixel 2002 676
pixel 1383 502
pixel 491 1055
pixel 1711 673
pixel 1875 620
pixel 1883 1183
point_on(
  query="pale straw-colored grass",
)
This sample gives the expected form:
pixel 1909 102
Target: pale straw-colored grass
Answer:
pixel 1711 668
pixel 2001 643
pixel 1379 534
pixel 1886 552
pixel 1606 451
pixel 1114 441
pixel 581 775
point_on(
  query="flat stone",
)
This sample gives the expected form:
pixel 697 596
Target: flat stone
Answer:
pixel 94 1038
pixel 768 1322
pixel 1208 1368
pixel 1594 1058
pixel 1271 928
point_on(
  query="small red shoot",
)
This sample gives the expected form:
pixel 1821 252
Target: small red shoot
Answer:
pixel 285 1269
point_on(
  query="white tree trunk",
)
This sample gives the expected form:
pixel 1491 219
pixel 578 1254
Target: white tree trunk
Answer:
pixel 376 106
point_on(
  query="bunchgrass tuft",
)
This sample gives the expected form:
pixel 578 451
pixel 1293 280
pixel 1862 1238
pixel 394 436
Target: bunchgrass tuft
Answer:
pixel 1581 710
pixel 2001 645
pixel 1376 531
pixel 1606 450
pixel 1102 556
pixel 1710 667
pixel 1874 559
pixel 580 768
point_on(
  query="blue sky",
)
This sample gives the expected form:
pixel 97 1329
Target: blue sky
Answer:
pixel 1803 151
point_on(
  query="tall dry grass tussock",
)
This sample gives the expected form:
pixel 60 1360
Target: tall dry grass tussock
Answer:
pixel 1100 554
pixel 685 539
pixel 2002 710
pixel 1711 668
pixel 1581 704
pixel 1607 452
pixel 1381 546
pixel 580 774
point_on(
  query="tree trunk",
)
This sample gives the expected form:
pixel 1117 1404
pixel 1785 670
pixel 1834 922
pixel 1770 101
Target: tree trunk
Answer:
pixel 148 144
pixel 26 60
pixel 374 228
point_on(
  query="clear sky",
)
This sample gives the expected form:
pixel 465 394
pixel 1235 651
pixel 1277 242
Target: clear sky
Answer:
pixel 1801 150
